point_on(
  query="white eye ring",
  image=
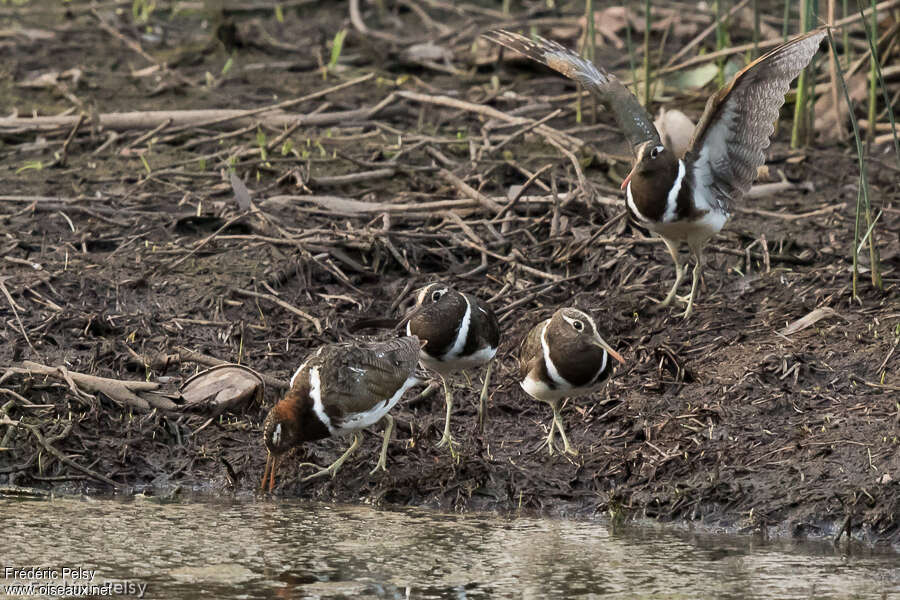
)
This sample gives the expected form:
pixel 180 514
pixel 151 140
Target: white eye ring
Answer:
pixel 654 152
pixel 436 295
pixel 578 325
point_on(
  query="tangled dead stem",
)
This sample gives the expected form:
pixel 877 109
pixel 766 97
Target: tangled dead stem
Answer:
pixel 128 254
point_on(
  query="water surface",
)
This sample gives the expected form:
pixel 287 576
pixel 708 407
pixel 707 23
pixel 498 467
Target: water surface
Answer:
pixel 293 549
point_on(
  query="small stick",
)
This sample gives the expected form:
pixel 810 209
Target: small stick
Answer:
pixel 522 191
pixel 316 323
pixel 12 305
pixel 469 191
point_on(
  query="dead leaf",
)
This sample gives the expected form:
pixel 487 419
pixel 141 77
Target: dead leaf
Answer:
pixel 222 388
pixel 675 130
pixel 241 193
pixel 810 320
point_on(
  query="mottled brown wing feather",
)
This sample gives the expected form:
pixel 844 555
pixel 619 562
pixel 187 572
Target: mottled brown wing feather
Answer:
pixel 632 118
pixel 730 139
pixel 530 349
pixel 357 376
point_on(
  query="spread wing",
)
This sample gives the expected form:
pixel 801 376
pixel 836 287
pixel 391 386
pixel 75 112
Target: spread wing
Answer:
pixel 530 349
pixel 730 139
pixel 356 377
pixel 631 117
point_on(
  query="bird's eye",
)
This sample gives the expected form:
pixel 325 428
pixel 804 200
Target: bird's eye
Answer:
pixel 654 152
pixel 578 325
pixel 436 295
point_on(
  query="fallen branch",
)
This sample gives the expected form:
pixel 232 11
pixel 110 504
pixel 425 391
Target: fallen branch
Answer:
pixel 117 390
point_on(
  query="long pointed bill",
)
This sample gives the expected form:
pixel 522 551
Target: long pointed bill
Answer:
pixel 627 179
pixel 268 473
pixel 401 324
pixel 602 343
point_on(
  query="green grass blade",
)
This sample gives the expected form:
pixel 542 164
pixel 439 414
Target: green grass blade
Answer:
pixel 876 70
pixel 863 185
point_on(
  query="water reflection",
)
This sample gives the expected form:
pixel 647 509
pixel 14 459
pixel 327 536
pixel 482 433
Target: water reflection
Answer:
pixel 284 549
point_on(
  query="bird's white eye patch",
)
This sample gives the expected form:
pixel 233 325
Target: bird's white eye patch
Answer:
pixel 436 294
pixel 655 151
pixel 576 324
pixel 276 435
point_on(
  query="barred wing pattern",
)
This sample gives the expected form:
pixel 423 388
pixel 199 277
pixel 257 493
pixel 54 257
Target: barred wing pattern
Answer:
pixel 730 139
pixel 631 117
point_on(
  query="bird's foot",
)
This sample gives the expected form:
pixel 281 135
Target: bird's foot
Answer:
pixel 380 465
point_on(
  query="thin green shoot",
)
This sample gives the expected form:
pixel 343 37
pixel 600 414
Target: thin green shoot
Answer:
pixel 261 143
pixel 865 238
pixel 873 81
pixel 876 67
pixel 337 45
pixel 755 29
pixel 799 129
pixel 632 65
pixel 863 194
pixel 786 19
pixel 847 49
pixel 30 165
pixel 647 54
pixel 721 42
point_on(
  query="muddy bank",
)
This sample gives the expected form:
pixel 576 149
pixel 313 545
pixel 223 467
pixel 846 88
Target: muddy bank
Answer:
pixel 124 254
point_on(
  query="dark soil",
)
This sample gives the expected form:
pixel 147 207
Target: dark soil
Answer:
pixel 121 255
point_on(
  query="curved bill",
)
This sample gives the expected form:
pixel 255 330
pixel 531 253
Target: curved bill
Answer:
pixel 627 179
pixel 609 349
pixel 269 473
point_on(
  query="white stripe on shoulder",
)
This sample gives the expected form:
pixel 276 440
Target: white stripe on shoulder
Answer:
pixel 672 199
pixel 315 392
pixel 551 368
pixel 462 335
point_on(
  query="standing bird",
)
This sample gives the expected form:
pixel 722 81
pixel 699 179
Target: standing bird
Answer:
pixel 460 332
pixel 564 356
pixel 688 199
pixel 340 389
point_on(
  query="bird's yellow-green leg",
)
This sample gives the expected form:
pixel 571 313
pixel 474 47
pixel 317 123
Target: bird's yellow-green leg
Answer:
pixel 679 272
pixel 698 256
pixel 482 401
pixel 557 419
pixel 382 458
pixel 334 467
pixel 549 441
pixel 447 439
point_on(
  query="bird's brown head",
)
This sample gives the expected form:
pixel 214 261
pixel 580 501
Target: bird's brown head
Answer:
pixel 279 429
pixel 436 316
pixel 655 167
pixel 280 434
pixel 576 347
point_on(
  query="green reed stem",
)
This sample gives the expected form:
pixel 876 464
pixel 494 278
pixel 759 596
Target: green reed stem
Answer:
pixel 720 43
pixel 871 34
pixel 798 131
pixel 786 19
pixel 647 54
pixel 755 29
pixel 862 201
